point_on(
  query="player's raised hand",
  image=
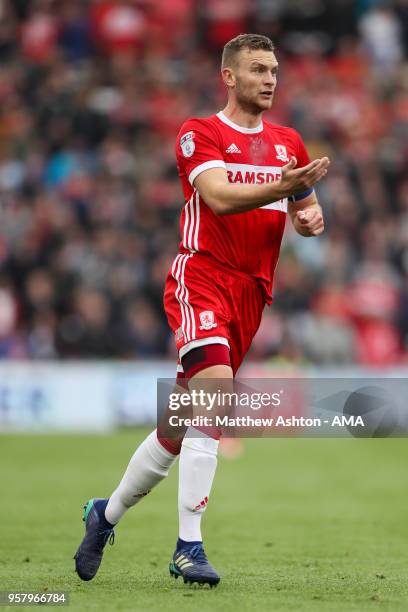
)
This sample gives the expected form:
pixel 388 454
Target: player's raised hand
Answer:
pixel 297 180
pixel 311 220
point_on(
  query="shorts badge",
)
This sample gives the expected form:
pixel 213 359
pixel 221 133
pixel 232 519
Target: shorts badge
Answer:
pixel 207 320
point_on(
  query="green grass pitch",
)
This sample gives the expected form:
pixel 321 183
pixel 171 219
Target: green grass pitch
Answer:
pixel 292 525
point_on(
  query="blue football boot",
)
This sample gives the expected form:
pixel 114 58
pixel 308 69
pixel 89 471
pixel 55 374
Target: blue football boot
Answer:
pixel 192 564
pixel 88 557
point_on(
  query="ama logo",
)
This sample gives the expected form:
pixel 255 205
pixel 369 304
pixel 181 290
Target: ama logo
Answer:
pixel 372 412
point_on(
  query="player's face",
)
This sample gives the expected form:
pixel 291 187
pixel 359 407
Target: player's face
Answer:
pixel 255 78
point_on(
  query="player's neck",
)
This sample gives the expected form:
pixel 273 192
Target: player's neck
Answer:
pixel 241 117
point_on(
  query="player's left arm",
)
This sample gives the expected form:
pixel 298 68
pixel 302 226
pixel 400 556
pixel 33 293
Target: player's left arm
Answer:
pixel 304 209
pixel 307 215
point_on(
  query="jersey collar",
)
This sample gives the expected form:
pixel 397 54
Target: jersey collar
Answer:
pixel 239 128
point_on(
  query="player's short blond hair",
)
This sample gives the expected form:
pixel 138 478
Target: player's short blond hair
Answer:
pixel 244 41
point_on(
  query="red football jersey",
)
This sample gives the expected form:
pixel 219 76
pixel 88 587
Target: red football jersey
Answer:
pixel 248 241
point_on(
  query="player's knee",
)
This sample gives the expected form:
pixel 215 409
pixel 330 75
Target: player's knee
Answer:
pixel 170 445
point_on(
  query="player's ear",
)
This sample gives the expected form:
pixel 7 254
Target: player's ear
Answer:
pixel 228 77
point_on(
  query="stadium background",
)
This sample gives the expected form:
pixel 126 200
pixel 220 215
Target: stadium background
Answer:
pixel 92 94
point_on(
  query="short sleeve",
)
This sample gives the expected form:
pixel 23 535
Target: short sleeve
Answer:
pixel 198 149
pixel 302 155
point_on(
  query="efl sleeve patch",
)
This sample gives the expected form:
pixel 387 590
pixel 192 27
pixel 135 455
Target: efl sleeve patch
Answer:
pixel 198 148
pixel 187 144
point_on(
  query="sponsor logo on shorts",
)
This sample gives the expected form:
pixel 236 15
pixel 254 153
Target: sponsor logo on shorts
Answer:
pixel 207 320
pixel 187 144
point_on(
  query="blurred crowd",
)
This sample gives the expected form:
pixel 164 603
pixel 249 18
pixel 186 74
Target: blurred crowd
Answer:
pixel 92 94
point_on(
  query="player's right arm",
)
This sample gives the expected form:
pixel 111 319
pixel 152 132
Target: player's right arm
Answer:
pixel 226 198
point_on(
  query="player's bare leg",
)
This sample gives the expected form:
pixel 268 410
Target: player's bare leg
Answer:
pixel 198 462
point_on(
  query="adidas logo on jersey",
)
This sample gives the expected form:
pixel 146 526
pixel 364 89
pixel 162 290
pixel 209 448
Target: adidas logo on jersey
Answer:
pixel 233 149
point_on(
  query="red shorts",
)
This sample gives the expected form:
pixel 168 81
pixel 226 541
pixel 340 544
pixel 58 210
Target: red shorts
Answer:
pixel 207 304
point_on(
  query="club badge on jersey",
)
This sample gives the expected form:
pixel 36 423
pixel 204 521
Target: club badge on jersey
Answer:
pixel 281 153
pixel 187 144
